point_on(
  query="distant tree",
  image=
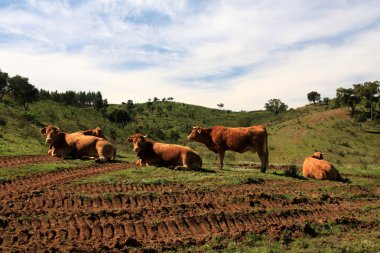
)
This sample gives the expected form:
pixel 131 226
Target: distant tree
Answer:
pixel 155 99
pixel 69 98
pixel 347 97
pixel 4 79
pixel 98 101
pixel 369 92
pixel 44 94
pixel 82 98
pixel 23 92
pixel 275 106
pixel 170 98
pixel 314 97
pixel 221 105
pixel 119 116
pixel 130 104
pixel 326 101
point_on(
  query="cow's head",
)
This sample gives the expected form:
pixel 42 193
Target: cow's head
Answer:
pixel 98 132
pixel 318 155
pixel 138 141
pixel 51 133
pixel 196 134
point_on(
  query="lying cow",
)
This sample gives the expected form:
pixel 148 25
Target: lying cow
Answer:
pixel 315 167
pixel 97 132
pixel 166 155
pixel 84 146
pixel 239 139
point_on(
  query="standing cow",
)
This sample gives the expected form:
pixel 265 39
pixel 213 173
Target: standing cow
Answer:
pixel 161 154
pixel 239 139
pixel 85 146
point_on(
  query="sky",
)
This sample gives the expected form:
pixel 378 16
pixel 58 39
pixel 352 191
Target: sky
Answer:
pixel 241 53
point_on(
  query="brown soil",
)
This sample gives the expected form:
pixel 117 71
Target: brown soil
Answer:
pixel 13 161
pixel 47 213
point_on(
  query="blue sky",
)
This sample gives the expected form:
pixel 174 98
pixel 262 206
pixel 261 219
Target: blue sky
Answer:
pixel 241 53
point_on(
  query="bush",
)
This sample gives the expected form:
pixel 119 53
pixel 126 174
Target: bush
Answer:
pixel 360 117
pixel 291 171
pixel 29 116
pixel 2 122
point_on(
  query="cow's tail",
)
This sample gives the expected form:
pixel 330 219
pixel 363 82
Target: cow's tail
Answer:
pixel 114 154
pixel 266 157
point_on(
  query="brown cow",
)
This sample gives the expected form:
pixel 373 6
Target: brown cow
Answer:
pixel 161 154
pixel 315 167
pixel 238 139
pixel 84 146
pixel 97 132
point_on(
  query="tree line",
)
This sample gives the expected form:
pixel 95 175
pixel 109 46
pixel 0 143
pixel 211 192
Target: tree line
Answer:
pixel 25 93
pixel 362 100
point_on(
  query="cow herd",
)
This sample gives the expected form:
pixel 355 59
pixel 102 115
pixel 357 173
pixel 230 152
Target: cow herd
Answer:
pixel 92 144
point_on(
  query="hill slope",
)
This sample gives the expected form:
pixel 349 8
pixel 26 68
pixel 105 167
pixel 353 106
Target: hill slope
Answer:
pixel 292 135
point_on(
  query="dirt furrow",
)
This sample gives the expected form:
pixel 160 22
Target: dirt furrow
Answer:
pixel 34 184
pixel 12 161
pixel 102 231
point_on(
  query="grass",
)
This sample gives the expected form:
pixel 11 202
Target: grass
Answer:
pixel 292 135
pixel 326 242
pixel 208 178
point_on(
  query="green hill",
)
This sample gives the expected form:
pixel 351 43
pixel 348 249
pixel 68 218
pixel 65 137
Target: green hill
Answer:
pixel 292 135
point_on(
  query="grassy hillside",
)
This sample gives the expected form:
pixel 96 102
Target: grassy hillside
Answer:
pixel 292 135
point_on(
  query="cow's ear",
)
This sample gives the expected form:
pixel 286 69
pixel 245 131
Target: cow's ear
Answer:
pixel 43 130
pixel 199 130
pixel 130 139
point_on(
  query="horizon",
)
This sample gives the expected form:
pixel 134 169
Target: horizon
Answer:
pixel 241 54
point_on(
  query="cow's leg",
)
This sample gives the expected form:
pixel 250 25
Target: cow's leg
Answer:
pixel 264 160
pixel 221 158
pixel 101 159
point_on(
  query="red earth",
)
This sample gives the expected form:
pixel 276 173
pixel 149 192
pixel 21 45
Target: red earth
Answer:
pixel 44 213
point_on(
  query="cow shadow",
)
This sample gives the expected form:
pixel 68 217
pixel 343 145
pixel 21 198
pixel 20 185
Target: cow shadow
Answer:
pixel 203 170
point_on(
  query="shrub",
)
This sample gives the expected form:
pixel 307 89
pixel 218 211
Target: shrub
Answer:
pixel 2 122
pixel 291 171
pixel 29 116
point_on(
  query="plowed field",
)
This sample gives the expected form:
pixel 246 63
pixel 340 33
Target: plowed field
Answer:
pixel 47 212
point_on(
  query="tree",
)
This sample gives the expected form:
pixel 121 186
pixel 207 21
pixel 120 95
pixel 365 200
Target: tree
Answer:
pixel 221 105
pixel 4 79
pixel 119 116
pixel 275 106
pixel 314 97
pixel 23 92
pixel 347 97
pixel 98 101
pixel 369 92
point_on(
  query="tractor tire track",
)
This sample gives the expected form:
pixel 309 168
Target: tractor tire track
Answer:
pixel 37 183
pixel 14 161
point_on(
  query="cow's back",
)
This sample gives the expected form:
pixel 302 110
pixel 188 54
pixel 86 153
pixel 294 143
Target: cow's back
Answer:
pixel 239 139
pixel 169 152
pixel 319 169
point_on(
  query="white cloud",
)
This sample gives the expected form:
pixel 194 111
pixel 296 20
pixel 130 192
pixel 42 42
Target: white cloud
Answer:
pixel 240 53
